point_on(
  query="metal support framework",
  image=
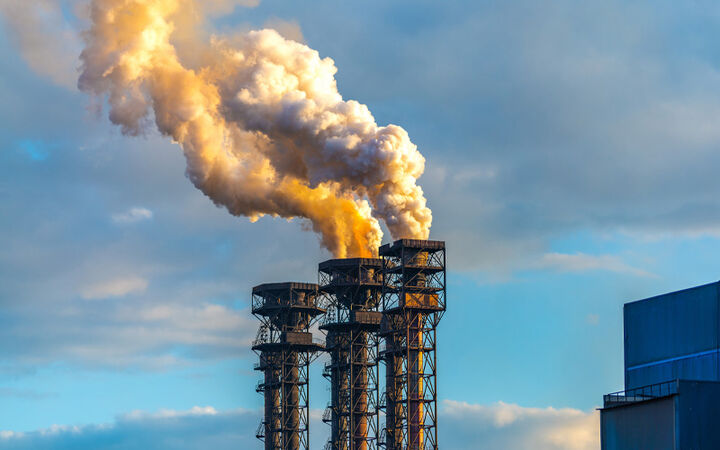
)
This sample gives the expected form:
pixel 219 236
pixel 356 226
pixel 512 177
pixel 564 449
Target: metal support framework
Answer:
pixel 286 348
pixel 413 302
pixel 352 290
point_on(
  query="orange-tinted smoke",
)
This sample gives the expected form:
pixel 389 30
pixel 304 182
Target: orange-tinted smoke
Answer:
pixel 261 123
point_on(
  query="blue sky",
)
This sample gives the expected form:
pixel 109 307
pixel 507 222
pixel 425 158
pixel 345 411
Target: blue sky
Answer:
pixel 572 152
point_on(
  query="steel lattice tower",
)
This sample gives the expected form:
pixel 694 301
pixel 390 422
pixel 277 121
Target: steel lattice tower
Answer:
pixel 352 288
pixel 413 303
pixel 286 348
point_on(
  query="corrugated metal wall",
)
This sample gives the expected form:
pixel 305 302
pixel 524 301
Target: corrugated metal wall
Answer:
pixel 668 337
pixel 648 425
pixel 698 408
pixel 686 421
pixel 673 336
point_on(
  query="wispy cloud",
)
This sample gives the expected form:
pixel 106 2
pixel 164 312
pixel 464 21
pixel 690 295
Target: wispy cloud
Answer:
pixel 5 434
pixel 196 428
pixel 169 413
pixel 28 394
pixel 582 262
pixel 503 425
pixel 131 334
pixel 467 426
pixel 132 215
pixel 118 287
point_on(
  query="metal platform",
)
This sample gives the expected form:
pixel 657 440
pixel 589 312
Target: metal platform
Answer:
pixel 285 347
pixel 352 290
pixel 413 303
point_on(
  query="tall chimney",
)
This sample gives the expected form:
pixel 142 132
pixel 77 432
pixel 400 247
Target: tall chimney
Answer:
pixel 286 348
pixel 413 302
pixel 352 288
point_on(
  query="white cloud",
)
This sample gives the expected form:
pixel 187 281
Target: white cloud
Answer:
pixel 118 287
pixel 133 215
pixel 582 262
pixel 5 434
pixel 508 426
pixel 463 426
pixel 197 428
pixel 168 413
pixel 28 394
pixel 203 317
pixel 131 334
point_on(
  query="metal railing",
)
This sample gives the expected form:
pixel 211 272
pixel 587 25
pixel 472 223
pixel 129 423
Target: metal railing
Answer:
pixel 338 278
pixel 268 336
pixel 259 302
pixel 262 335
pixel 641 394
pixel 327 414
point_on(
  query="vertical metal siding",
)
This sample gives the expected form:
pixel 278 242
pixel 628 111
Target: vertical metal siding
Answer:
pixel 648 425
pixel 672 327
pixel 697 368
pixel 698 407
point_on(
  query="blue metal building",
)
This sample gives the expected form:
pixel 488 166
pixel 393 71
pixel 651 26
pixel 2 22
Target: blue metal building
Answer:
pixel 672 374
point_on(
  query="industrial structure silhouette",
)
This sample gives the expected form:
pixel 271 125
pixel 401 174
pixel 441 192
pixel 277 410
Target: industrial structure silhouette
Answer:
pixel 371 310
pixel 672 374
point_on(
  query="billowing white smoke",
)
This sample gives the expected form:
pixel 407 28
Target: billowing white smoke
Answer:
pixel 262 125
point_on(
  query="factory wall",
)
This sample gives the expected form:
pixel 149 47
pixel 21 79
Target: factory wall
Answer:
pixel 683 421
pixel 697 411
pixel 646 425
pixel 673 336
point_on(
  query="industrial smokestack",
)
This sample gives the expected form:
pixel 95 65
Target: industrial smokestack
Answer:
pixel 262 125
pixel 352 288
pixel 413 302
pixel 285 347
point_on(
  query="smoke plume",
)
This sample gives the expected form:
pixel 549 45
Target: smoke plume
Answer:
pixel 261 123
